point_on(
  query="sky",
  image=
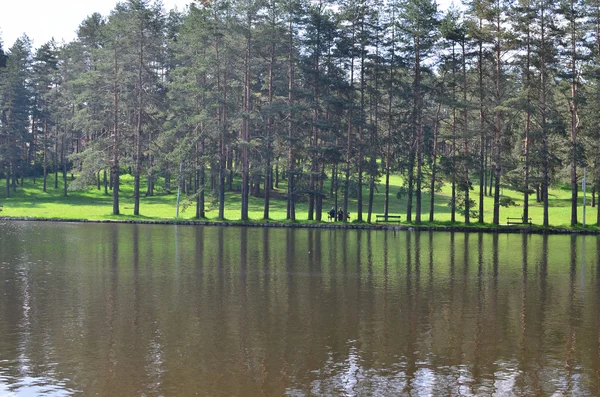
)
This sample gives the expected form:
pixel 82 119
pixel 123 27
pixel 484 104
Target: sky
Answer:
pixel 43 20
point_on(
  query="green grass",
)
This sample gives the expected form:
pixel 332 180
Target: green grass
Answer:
pixel 31 202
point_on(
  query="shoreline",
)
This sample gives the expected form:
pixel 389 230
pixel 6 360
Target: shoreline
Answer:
pixel 324 225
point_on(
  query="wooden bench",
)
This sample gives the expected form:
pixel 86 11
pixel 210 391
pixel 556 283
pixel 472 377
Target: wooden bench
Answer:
pixel 519 221
pixel 388 218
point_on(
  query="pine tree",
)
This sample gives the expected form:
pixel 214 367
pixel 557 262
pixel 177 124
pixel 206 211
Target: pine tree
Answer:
pixel 573 40
pixel 418 20
pixel 15 107
pixel 45 69
pixel 544 52
pixel 523 15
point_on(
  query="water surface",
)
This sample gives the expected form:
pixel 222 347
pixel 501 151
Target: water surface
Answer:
pixel 152 310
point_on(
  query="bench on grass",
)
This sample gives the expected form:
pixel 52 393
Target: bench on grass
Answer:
pixel 388 218
pixel 335 218
pixel 519 221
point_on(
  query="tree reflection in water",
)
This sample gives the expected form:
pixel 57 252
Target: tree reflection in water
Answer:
pixel 126 310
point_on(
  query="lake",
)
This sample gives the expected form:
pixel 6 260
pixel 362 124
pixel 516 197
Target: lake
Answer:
pixel 156 310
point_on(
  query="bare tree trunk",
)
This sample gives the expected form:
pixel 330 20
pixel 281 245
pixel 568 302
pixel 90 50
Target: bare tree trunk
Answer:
pixel 291 204
pixel 115 170
pixel 150 187
pixel 55 157
pixel 436 128
pixel 32 158
pixel 319 200
pixel 268 168
pixel 63 156
pixel 388 146
pixel 314 166
pixel 419 128
pixel 527 127
pixel 411 183
pixel 359 199
pixel 105 182
pixel 545 154
pixel 466 138
pixel 453 198
pixel 374 133
pixel 574 117
pixel 482 165
pixel 8 176
pixel 597 56
pixel 245 135
pixel 349 132
pixel 222 117
pixel 498 124
pixel 138 132
pixel 45 154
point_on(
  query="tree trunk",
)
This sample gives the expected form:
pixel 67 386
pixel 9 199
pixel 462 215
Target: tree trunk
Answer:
pixel 411 182
pixel 115 169
pixel 291 205
pixel 32 150
pixel 314 166
pixel 374 129
pixel 319 200
pixel 267 188
pixel 359 199
pixel 138 132
pixel 8 167
pixel 150 187
pixel 45 154
pixel 222 171
pixel 55 158
pixel 388 145
pixel 245 133
pixel 527 125
pixel 545 154
pixel 466 138
pixel 419 129
pixel 222 119
pixel 436 127
pixel 498 124
pixel 349 132
pixel 482 171
pixel 268 169
pixel 453 198
pixel 105 182
pixel 574 117
pixel 63 156
pixel 200 202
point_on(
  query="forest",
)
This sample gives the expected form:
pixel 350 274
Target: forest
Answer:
pixel 327 98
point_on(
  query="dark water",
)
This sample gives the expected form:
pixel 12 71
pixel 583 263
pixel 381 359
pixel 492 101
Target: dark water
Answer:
pixel 137 310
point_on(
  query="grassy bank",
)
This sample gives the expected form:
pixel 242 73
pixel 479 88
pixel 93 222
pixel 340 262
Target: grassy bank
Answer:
pixel 30 201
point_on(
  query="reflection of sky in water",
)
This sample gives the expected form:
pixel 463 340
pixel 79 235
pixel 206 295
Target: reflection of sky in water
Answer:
pixel 350 379
pixel 33 387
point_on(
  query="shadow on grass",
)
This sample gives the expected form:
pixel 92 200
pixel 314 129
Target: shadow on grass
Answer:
pixel 31 196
